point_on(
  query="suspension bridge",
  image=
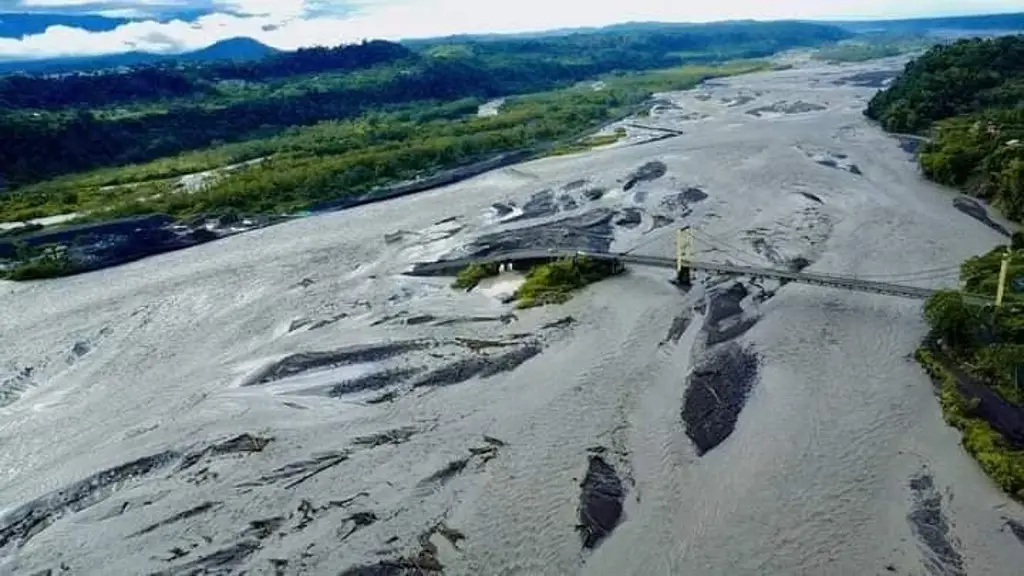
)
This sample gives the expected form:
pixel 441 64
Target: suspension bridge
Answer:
pixel 685 264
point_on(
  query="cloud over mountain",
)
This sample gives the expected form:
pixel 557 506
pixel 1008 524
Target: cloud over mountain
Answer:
pixel 168 26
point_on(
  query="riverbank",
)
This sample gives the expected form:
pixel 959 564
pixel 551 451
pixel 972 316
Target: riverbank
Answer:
pixel 992 429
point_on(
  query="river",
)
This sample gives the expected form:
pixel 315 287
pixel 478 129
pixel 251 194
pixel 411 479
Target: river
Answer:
pixel 286 401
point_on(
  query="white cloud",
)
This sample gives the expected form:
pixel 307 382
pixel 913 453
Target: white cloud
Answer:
pixel 288 23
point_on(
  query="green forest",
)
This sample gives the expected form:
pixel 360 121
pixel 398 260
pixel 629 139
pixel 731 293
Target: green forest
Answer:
pixel 969 98
pixel 327 122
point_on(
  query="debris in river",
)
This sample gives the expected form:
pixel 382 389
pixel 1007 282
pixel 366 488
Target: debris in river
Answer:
pixel 931 527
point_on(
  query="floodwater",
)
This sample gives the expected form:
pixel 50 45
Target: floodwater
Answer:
pixel 285 401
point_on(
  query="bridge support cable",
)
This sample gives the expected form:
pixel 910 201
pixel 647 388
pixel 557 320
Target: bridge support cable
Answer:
pixel 729 249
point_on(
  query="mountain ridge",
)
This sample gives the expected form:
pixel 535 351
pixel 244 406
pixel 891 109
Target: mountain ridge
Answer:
pixel 239 49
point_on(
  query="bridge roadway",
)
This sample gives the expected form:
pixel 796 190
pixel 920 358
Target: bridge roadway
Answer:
pixel 817 279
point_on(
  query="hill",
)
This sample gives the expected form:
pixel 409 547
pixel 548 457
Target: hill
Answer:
pixel 989 22
pixel 236 49
pixel 241 49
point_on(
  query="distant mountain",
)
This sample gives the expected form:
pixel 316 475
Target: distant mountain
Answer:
pixel 239 49
pixel 988 22
pixel 17 25
pixel 236 49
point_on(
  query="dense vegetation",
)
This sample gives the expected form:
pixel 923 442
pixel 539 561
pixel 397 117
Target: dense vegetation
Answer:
pixel 987 344
pixel 554 283
pixel 970 97
pixel 59 125
pixel 550 283
pixel 305 166
pixel 471 275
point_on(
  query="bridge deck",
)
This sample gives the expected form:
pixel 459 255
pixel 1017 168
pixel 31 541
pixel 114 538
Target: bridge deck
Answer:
pixel 818 279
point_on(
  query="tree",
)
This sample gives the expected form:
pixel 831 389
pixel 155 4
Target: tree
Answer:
pixel 951 319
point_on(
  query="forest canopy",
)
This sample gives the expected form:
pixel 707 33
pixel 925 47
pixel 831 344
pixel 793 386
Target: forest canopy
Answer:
pixel 969 97
pixel 71 123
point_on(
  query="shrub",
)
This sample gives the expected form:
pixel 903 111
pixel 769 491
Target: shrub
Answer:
pixel 554 283
pixel 471 275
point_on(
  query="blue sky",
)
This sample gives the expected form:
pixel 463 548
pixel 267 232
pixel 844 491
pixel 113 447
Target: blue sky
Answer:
pixel 294 23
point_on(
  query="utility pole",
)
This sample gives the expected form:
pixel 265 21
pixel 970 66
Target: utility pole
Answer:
pixel 1003 273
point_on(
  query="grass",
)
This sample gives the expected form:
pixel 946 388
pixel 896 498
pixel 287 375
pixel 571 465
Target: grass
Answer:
pixel 589 143
pixel 473 274
pixel 554 283
pixel 997 458
pixel 52 262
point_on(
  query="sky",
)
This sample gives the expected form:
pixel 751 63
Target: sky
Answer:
pixel 180 25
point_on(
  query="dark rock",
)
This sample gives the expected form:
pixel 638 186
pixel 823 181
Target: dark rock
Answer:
pixel 370 382
pixel 594 194
pixel 872 79
pixel 384 398
pixel 568 203
pixel 80 348
pixel 263 529
pixel 600 502
pixel 693 195
pixel 728 331
pixel 648 172
pixel 975 210
pixel 1017 528
pixel 299 471
pixel 678 328
pixel 798 264
pixel 562 323
pixel 28 520
pixel 910 144
pixel 220 562
pixel 444 475
pixel 395 237
pixel 726 303
pixel 190 513
pixel 717 393
pixel 308 361
pixel 502 210
pixel 539 205
pixel 478 366
pixel 661 221
pixel 629 218
pixel 798 107
pixel 241 444
pixel 590 231
pixel 811 197
pixel 393 437
pixel 854 169
pixel 422 319
pixel 932 529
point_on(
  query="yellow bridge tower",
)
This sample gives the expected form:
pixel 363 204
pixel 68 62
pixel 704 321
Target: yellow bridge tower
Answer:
pixel 684 255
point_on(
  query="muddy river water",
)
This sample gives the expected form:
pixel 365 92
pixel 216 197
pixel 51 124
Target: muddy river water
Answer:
pixel 287 402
